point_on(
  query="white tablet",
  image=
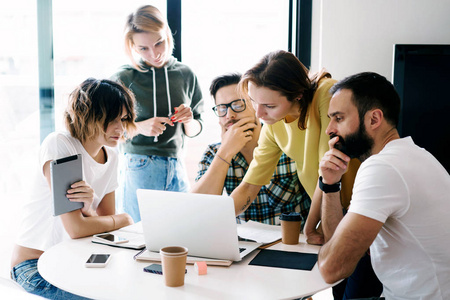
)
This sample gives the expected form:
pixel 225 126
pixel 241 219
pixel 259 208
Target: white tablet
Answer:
pixel 65 172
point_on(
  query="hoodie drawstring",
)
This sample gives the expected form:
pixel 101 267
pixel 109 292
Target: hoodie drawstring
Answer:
pixel 154 94
pixel 155 139
pixel 167 90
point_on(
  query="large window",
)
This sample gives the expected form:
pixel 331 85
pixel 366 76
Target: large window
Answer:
pixel 19 106
pixel 19 95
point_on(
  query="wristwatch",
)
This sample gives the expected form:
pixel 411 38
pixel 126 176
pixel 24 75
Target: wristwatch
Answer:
pixel 329 188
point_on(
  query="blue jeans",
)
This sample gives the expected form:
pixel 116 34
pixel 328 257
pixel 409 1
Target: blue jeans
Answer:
pixel 26 274
pixel 148 172
pixel 363 283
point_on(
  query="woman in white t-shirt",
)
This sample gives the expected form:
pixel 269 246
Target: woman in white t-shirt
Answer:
pixel 96 117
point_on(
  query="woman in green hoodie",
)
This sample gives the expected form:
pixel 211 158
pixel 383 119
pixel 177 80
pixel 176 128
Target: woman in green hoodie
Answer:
pixel 169 104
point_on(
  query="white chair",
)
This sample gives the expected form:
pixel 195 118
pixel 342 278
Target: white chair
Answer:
pixel 9 289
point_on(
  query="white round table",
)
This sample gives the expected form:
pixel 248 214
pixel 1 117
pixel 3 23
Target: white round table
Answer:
pixel 123 278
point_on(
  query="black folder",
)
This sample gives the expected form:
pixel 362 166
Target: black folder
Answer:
pixel 285 259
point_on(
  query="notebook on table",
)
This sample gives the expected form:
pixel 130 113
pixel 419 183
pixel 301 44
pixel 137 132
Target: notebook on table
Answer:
pixel 205 224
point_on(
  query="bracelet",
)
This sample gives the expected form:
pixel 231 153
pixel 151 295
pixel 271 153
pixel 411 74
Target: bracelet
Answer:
pixel 114 222
pixel 329 188
pixel 223 160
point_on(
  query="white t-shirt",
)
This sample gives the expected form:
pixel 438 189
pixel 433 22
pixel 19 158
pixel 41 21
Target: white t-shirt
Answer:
pixel 408 190
pixel 39 229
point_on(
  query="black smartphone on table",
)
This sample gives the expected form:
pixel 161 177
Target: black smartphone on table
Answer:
pixel 155 269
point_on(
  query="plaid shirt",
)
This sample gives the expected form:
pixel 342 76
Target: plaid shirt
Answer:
pixel 284 193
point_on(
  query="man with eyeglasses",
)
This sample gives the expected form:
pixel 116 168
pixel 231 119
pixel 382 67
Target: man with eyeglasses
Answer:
pixel 224 164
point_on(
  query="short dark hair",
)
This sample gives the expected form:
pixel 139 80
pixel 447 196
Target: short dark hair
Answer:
pixel 222 81
pixel 371 90
pixel 96 103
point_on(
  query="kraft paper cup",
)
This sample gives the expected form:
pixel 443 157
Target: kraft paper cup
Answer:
pixel 290 227
pixel 173 260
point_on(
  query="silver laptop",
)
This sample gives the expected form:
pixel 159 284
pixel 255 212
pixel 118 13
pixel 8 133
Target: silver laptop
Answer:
pixel 205 224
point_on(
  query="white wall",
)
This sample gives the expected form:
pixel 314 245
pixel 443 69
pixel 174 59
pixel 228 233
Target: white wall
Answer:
pixel 351 36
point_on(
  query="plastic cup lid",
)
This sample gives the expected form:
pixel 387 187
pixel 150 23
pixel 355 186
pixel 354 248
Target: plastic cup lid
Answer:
pixel 291 216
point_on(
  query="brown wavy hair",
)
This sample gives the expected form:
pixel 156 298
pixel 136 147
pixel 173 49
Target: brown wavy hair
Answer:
pixel 282 71
pixel 96 103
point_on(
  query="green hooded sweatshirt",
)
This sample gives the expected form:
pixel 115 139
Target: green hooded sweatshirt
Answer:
pixel 158 92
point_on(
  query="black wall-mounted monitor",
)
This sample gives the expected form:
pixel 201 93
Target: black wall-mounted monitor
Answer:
pixel 421 76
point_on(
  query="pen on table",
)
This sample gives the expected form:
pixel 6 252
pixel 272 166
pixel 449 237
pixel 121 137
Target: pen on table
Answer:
pixel 246 240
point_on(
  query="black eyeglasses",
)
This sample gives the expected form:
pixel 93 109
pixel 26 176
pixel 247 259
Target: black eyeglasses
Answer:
pixel 235 105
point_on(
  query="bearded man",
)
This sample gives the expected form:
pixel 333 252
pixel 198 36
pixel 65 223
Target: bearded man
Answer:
pixel 400 203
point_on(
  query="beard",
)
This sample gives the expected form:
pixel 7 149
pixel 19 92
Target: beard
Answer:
pixel 356 145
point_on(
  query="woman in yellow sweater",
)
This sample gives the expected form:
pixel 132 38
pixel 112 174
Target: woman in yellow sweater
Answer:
pixel 294 108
